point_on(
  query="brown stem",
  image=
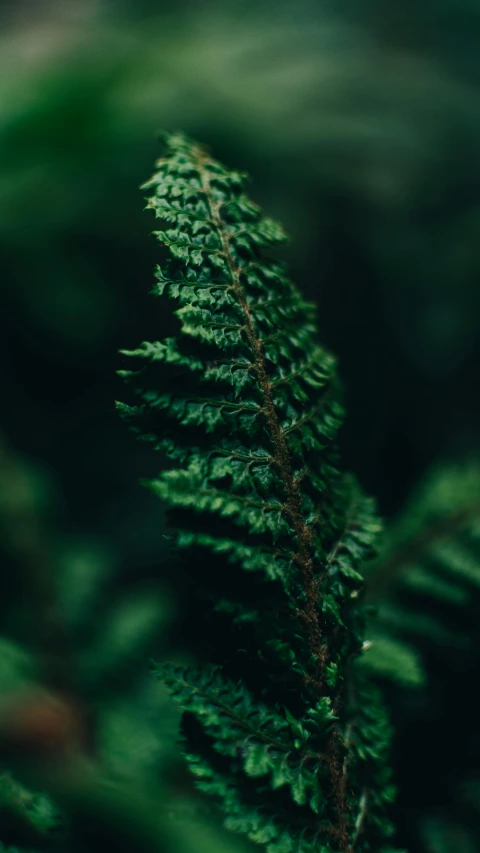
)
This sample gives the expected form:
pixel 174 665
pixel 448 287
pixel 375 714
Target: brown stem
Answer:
pixel 281 455
pixel 293 508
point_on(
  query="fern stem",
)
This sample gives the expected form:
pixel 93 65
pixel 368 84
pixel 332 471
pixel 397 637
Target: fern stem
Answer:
pixel 281 457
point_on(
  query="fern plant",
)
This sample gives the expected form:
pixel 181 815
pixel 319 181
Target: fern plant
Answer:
pixel 281 725
pixel 427 587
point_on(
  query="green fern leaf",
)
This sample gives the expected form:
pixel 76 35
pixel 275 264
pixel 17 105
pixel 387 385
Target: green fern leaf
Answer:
pixel 247 404
pixel 425 635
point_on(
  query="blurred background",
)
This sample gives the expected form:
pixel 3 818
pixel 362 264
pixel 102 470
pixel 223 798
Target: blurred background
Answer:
pixel 359 123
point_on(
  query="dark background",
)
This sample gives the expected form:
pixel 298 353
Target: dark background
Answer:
pixel 359 123
pixel 361 131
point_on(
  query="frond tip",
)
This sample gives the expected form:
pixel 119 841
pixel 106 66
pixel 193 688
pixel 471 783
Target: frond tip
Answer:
pixel 247 404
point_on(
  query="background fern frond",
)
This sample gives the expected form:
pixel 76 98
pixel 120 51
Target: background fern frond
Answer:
pixel 425 635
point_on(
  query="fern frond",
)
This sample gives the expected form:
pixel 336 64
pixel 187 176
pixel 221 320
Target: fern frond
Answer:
pixel 425 635
pixel 248 404
pixel 428 576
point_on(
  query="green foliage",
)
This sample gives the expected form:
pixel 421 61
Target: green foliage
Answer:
pixel 26 818
pixel 381 175
pixel 286 733
pixel 90 676
pixel 426 585
pixel 427 578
